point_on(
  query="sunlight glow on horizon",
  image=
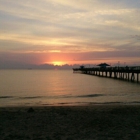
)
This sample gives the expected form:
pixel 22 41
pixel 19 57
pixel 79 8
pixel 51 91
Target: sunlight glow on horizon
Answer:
pixel 58 63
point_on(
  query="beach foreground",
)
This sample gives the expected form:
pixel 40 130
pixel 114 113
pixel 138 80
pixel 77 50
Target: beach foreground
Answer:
pixel 98 122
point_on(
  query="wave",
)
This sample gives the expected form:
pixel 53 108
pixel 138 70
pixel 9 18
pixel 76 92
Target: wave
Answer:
pixel 90 95
pixel 31 97
pixel 136 102
pixel 52 97
pixel 77 96
pixel 93 103
pixel 5 97
pixel 16 97
pixel 64 96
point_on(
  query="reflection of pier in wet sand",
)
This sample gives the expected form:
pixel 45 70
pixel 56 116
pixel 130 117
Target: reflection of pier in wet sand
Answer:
pixel 124 73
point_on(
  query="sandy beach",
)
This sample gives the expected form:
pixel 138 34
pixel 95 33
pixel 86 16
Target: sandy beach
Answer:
pixel 94 122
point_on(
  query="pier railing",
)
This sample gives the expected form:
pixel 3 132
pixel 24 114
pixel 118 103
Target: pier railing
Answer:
pixel 124 73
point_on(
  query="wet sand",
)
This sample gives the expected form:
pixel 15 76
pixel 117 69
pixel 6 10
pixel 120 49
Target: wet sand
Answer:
pixel 94 122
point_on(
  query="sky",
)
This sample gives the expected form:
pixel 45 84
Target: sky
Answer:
pixel 69 32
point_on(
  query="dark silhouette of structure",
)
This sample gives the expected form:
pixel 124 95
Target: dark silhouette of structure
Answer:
pixel 103 65
pixel 123 73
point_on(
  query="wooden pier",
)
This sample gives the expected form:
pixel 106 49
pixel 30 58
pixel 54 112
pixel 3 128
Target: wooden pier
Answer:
pixel 123 73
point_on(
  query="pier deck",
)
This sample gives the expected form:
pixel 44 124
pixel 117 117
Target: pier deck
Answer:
pixel 124 73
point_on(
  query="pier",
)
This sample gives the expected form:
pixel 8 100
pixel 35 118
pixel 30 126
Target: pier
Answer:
pixel 123 73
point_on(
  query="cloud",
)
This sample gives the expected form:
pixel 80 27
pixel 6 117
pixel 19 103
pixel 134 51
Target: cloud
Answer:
pixel 65 26
pixel 137 37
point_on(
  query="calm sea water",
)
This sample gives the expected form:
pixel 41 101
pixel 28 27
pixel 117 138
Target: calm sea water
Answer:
pixel 63 87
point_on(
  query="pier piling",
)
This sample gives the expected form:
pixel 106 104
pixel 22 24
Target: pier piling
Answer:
pixel 123 73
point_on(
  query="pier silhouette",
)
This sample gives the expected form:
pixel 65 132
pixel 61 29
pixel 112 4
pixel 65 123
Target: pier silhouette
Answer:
pixel 130 73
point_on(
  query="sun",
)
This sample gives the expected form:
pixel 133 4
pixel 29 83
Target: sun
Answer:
pixel 58 63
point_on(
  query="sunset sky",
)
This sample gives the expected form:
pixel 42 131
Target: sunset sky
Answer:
pixel 69 31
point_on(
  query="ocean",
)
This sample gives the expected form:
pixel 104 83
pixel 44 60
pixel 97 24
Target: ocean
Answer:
pixel 63 87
